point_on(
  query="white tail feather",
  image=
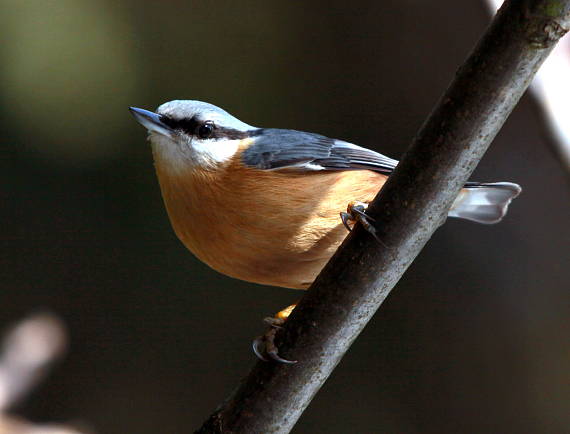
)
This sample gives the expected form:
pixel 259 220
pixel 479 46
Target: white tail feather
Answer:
pixel 484 203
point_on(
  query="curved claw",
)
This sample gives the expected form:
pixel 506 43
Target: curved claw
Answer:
pixel 345 218
pixel 270 349
pixel 357 213
pixel 256 345
pixel 280 359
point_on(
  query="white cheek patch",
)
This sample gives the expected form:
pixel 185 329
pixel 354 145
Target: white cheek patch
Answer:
pixel 212 151
pixel 181 154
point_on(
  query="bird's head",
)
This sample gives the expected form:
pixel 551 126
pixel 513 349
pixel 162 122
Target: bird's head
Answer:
pixel 192 135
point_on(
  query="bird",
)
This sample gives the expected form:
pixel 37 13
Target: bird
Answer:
pixel 266 205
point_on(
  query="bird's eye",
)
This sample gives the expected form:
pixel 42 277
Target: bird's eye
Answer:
pixel 205 130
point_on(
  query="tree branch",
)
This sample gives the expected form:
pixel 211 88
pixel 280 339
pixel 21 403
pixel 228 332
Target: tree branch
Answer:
pixel 410 207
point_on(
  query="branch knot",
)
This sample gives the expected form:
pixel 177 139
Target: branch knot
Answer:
pixel 545 33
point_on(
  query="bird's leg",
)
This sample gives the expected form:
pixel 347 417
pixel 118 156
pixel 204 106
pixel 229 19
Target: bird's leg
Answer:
pixel 280 317
pixel 356 212
pixel 265 344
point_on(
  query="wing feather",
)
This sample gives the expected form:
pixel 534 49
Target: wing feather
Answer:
pixel 274 149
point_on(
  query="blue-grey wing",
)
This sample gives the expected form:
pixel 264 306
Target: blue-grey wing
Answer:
pixel 288 149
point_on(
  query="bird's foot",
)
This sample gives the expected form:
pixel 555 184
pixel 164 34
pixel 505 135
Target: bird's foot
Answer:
pixel 356 212
pixel 264 346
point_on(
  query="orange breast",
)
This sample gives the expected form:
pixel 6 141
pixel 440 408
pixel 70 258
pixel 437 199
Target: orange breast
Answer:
pixel 270 227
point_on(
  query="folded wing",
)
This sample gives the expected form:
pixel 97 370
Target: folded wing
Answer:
pixel 295 150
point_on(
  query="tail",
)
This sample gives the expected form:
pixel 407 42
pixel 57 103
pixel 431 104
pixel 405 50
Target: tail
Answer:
pixel 484 203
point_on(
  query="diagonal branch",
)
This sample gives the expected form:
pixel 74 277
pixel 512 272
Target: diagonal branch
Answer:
pixel 410 207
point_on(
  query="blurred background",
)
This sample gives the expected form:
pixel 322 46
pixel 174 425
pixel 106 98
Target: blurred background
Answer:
pixel 473 339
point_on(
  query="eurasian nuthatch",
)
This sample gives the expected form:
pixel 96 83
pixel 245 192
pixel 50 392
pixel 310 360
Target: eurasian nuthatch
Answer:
pixel 263 204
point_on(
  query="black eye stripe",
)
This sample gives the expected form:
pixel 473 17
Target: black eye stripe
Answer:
pixel 191 126
pixel 187 125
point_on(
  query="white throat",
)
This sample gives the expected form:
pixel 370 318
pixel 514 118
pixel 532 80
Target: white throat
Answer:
pixel 180 154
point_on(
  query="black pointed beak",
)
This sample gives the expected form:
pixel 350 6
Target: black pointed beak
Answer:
pixel 151 121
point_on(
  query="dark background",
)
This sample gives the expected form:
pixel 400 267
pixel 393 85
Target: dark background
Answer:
pixel 473 339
